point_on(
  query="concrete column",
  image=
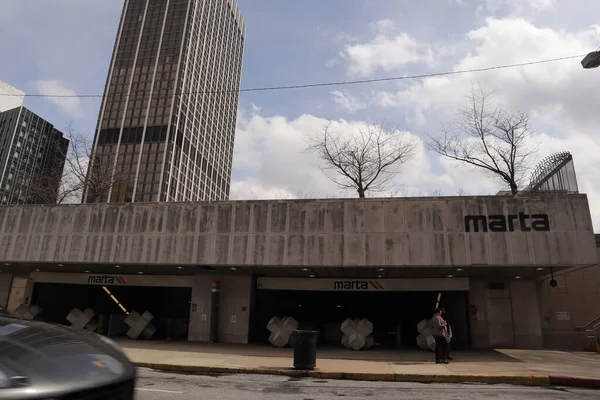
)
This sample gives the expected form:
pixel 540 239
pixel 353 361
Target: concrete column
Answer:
pixel 5 286
pixel 480 333
pixel 234 308
pixel 526 315
pixel 20 292
pixel 545 305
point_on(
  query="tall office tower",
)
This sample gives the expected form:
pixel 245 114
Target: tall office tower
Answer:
pixel 167 122
pixel 32 158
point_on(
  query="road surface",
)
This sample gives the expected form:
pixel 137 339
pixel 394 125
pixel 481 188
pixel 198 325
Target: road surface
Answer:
pixel 153 385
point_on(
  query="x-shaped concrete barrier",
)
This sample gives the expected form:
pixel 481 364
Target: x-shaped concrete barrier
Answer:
pixel 82 319
pixel 281 330
pixel 357 334
pixel 26 312
pixel 140 325
pixel 425 340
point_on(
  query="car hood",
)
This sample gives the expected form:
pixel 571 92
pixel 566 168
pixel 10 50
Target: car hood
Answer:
pixel 50 356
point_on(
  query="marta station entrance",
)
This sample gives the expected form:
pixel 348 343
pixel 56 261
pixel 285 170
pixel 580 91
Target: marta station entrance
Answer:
pixel 394 306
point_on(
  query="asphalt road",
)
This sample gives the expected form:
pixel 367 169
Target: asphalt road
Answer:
pixel 154 385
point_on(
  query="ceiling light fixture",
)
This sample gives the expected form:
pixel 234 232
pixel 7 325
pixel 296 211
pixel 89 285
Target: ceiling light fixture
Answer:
pixel 87 272
pixel 460 269
pixel 61 265
pixel 140 273
pixel 180 267
pixel 540 268
pixel 305 269
pixel 233 269
pixel 117 266
pixel 381 269
pixel 312 276
pixel 37 270
pixel 7 264
pixel 450 276
pixel 517 277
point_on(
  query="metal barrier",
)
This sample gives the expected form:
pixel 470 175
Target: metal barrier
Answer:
pixel 592 331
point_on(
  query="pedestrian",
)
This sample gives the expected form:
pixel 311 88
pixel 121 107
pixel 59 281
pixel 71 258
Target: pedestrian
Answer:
pixel 438 327
pixel 449 336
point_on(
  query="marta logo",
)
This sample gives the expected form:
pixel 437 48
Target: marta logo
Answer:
pixel 508 223
pixel 106 280
pixel 357 285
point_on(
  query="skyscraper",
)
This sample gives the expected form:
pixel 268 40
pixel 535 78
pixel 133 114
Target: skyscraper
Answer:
pixel 167 122
pixel 32 158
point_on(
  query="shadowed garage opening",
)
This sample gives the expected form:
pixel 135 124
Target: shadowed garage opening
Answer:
pixel 394 315
pixel 169 305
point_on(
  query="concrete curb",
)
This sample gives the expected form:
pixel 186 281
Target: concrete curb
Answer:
pixel 518 380
pixel 571 381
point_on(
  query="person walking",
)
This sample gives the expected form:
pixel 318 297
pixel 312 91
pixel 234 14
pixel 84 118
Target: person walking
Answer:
pixel 438 327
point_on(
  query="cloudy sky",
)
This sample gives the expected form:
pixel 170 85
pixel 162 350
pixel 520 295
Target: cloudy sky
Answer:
pixel 64 47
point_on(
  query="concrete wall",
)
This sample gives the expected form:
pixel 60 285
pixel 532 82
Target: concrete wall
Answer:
pixel 508 317
pixel 234 308
pixel 526 315
pixel 578 294
pixel 356 232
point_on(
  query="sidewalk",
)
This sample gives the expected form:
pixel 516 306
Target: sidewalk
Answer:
pixel 518 367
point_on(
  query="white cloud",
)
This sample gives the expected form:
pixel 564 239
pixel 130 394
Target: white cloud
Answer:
pixel 271 162
pixel 10 97
pixel 347 102
pixel 383 24
pixel 386 53
pixel 69 105
pixel 558 94
pixel 521 7
pixel 332 62
pixel 255 109
pixel 549 89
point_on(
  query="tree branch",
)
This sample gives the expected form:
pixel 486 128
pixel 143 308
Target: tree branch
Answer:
pixel 489 138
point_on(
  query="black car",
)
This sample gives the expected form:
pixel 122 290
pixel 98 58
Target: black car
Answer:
pixel 45 361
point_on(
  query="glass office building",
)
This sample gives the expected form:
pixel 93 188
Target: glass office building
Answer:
pixel 32 158
pixel 167 121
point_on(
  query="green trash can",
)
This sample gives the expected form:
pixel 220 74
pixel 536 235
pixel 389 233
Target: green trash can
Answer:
pixel 305 349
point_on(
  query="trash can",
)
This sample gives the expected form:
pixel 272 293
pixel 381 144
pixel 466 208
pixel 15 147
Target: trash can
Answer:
pixel 305 349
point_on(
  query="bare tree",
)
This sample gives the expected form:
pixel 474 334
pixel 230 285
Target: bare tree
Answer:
pixel 75 179
pixel 489 137
pixel 365 161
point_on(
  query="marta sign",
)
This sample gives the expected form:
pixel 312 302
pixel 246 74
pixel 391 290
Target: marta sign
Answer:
pixel 357 285
pixel 106 280
pixel 509 223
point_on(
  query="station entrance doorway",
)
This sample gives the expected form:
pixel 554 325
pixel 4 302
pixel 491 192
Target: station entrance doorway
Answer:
pixel 113 297
pixel 394 306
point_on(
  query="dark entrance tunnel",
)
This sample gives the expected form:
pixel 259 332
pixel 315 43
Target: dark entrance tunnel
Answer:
pixel 394 315
pixel 169 305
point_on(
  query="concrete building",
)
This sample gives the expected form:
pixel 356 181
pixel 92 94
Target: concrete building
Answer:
pixel 167 120
pixel 10 97
pixel 320 261
pixel 32 158
pixel 572 306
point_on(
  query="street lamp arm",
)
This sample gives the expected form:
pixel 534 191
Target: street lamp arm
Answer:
pixel 592 60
